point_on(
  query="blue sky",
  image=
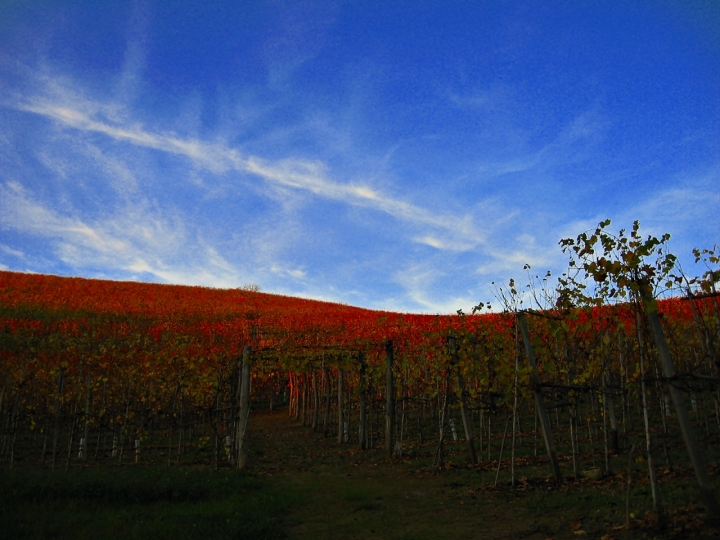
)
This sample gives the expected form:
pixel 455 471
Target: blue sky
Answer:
pixel 390 155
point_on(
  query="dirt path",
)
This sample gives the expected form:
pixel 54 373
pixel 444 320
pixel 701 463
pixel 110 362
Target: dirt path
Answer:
pixel 341 493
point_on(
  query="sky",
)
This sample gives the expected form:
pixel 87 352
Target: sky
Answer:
pixel 391 155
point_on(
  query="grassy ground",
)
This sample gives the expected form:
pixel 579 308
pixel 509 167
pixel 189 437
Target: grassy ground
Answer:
pixel 138 502
pixel 301 485
pixel 340 492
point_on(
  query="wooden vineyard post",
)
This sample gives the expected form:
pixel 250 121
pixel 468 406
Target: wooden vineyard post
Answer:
pixel 326 412
pixel 341 380
pixel 502 447
pixel 515 417
pixel 362 428
pixel 244 408
pixel 540 404
pixel 389 400
pixel 305 400
pixel 646 415
pixel 57 415
pixel 614 441
pixel 216 420
pixel 82 454
pixel 698 463
pixel 290 392
pixel 316 401
pixel 439 461
pixel 467 422
pixel 292 382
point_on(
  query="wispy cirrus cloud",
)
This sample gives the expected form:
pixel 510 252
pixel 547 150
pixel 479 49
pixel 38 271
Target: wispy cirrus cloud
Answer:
pixel 14 252
pixel 424 286
pixel 124 240
pixel 134 240
pixel 69 110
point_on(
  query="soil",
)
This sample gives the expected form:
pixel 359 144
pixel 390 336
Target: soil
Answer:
pixel 341 492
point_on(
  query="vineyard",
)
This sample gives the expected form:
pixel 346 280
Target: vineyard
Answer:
pixel 598 376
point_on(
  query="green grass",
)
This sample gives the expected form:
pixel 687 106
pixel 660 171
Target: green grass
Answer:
pixel 137 502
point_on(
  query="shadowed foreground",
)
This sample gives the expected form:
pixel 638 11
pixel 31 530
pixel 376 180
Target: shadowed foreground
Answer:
pixel 301 485
pixel 339 492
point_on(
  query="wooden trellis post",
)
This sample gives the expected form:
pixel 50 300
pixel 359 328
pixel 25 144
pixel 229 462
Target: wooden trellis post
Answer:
pixel 326 412
pixel 61 373
pixel 244 408
pixel 341 419
pixel 539 402
pixel 316 401
pixel 83 453
pixel 389 400
pixel 362 428
pixel 467 422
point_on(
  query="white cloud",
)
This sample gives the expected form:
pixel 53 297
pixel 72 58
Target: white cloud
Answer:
pixel 524 250
pixel 430 241
pixel 13 252
pixel 158 244
pixel 296 273
pixel 425 290
pixel 133 240
pixel 71 110
pixel 680 205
